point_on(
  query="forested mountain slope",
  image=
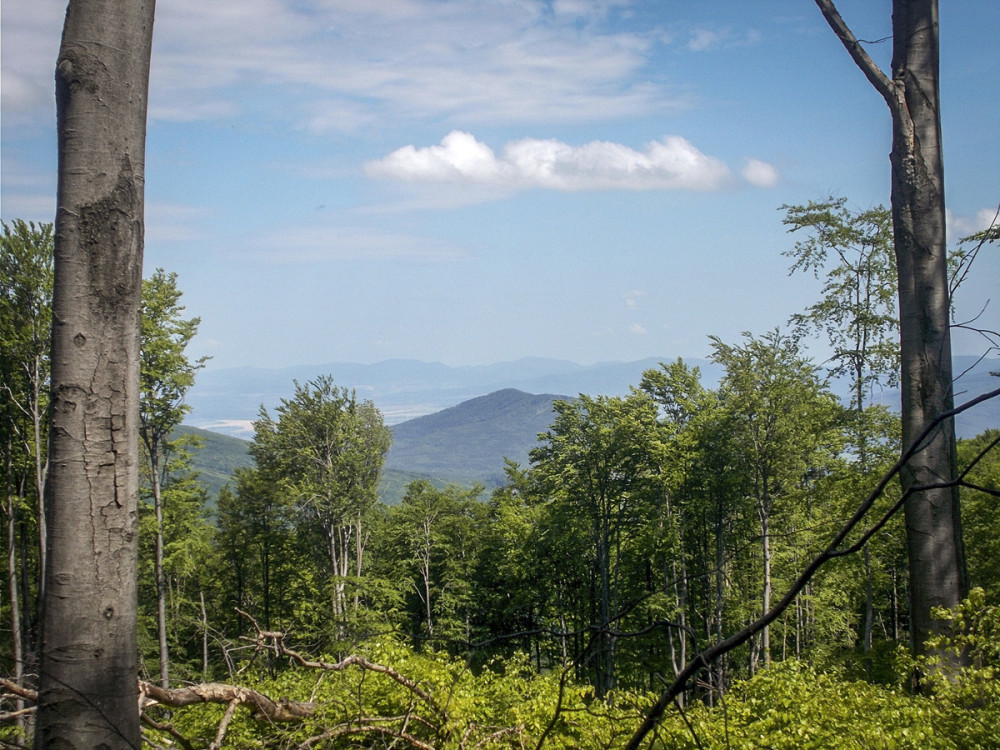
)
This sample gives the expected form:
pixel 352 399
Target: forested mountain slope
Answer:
pixel 467 443
pixel 464 444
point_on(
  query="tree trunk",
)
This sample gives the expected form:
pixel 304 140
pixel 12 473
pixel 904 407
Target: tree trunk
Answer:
pixel 17 648
pixel 765 550
pixel 38 417
pixel 204 634
pixel 88 694
pixel 161 582
pixel 933 526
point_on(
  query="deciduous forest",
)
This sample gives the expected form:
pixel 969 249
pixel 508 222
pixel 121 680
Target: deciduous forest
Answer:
pixel 737 566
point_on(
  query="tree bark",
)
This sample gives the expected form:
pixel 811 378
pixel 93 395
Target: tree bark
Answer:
pixel 933 525
pixel 88 694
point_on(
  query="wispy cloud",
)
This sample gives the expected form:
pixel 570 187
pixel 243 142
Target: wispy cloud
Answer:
pixel 343 65
pixel 672 163
pixel 339 244
pixel 173 222
pixel 632 298
pixel 705 40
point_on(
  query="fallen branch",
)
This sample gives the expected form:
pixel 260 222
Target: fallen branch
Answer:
pixel 215 692
pixel 277 644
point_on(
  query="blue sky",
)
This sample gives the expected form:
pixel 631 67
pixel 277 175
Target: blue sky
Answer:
pixel 474 181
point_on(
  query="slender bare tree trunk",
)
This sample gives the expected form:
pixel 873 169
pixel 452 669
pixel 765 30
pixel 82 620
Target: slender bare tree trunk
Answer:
pixel 17 647
pixel 765 551
pixel 158 574
pixel 41 471
pixel 88 692
pixel 933 524
pixel 204 634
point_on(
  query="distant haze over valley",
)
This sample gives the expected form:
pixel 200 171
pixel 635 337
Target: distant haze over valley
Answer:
pixel 228 400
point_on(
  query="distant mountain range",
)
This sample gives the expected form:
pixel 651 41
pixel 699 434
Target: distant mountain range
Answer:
pixel 462 427
pixel 228 400
pixel 464 444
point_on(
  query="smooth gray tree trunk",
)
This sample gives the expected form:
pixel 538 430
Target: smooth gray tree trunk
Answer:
pixel 933 525
pixel 88 692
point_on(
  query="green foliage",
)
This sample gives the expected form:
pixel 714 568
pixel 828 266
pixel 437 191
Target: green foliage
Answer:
pixel 507 704
pixel 442 704
pixel 215 457
pixel 429 545
pixel 165 372
pixel 975 689
pixel 980 519
pixel 857 307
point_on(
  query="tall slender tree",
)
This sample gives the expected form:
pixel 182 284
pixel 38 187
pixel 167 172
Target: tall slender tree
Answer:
pixel 937 569
pixel 165 376
pixel 600 462
pixel 856 312
pixel 25 327
pixel 88 692
pixel 785 422
pixel 25 332
pixel 326 450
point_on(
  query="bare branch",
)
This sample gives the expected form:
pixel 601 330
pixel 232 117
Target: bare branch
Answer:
pixel 168 728
pixel 224 725
pixel 872 72
pixel 216 692
pixel 18 690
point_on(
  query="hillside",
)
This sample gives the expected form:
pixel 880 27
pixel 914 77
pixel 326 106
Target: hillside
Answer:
pixel 228 400
pixel 464 444
pixel 217 458
pixel 468 442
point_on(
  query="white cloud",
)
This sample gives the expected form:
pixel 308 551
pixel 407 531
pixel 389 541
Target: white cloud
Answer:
pixel 963 226
pixel 31 30
pixel 586 8
pixel 673 163
pixel 760 173
pixel 637 329
pixel 365 61
pixel 704 40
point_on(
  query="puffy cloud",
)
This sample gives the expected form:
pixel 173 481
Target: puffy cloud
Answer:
pixel 673 163
pixel 760 173
pixel 637 329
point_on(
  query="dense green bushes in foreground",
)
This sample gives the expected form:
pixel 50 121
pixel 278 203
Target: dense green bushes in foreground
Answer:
pixel 431 700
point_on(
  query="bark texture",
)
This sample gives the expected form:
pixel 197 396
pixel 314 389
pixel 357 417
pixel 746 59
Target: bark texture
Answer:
pixel 933 524
pixel 88 695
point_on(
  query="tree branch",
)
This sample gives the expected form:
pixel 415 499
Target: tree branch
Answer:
pixel 882 83
pixel 216 692
pixel 832 551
